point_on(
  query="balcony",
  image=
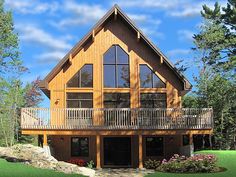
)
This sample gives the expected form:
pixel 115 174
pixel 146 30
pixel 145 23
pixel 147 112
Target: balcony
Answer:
pixel 116 118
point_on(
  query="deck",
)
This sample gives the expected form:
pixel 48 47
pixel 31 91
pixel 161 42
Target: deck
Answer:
pixel 116 118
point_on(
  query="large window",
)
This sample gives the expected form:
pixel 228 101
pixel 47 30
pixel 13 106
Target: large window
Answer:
pixel 148 79
pixel 79 100
pixel 154 146
pixel 153 100
pixel 80 146
pixel 116 100
pixel 116 68
pixel 83 78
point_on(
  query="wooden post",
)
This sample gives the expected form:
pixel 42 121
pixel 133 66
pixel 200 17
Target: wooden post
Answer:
pixel 140 149
pixel 70 58
pixel 161 59
pixel 45 140
pixel 138 36
pixel 191 139
pixel 115 14
pixel 98 146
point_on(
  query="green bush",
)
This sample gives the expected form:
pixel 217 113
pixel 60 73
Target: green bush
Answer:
pixel 195 164
pixel 151 164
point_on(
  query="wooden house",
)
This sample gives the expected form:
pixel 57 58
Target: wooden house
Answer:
pixel 115 98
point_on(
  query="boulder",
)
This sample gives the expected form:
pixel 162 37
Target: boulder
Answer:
pixel 40 158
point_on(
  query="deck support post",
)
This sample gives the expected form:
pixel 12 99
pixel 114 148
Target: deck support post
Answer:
pixel 140 149
pixel 45 140
pixel 98 147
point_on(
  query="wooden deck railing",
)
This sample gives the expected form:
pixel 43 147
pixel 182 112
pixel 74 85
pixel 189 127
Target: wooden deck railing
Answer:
pixel 117 118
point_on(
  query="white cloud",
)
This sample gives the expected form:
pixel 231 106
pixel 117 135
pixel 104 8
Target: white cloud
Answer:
pixel 80 14
pixel 163 4
pixel 32 7
pixel 35 35
pixel 185 35
pixel 175 52
pixel 174 8
pixel 50 56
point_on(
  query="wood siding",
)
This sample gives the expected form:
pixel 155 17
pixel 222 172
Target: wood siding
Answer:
pixel 115 32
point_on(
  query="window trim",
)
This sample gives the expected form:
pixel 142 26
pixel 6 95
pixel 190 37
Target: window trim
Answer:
pixel 152 73
pixel 116 64
pixel 71 153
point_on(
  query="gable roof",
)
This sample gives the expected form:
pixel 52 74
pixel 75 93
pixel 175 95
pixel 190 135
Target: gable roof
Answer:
pixel 115 9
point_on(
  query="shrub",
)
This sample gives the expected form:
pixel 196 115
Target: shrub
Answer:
pixel 196 164
pixel 90 164
pixel 79 162
pixel 151 164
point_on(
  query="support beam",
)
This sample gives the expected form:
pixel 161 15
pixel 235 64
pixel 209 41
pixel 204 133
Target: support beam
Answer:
pixel 98 147
pixel 115 14
pixel 138 36
pixel 161 59
pixel 45 140
pixel 93 35
pixel 140 149
pixel 70 58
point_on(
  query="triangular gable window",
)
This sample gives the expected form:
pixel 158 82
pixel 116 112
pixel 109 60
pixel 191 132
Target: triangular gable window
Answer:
pixel 148 79
pixel 83 78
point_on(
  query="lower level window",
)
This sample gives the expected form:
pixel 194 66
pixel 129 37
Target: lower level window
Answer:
pixel 154 146
pixel 80 146
pixel 186 140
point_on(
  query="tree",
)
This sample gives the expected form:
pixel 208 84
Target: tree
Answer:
pixel 218 37
pixel 215 45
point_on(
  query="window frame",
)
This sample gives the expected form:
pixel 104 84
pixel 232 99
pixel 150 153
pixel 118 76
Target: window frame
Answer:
pixel 152 77
pixel 116 66
pixel 79 77
pixel 81 154
pixel 153 100
pixel 85 99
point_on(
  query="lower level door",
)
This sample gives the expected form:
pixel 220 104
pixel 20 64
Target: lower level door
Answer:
pixel 117 151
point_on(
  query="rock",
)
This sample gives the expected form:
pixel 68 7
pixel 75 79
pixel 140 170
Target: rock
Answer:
pixel 40 158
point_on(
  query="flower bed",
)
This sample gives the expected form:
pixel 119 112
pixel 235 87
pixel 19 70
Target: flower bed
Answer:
pixel 196 164
pixel 79 162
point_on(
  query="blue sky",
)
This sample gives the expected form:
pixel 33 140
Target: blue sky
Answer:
pixel 48 29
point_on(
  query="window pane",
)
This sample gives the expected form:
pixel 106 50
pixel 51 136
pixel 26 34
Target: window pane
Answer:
pixel 86 75
pixel 72 104
pixel 147 104
pixel 80 146
pixel 122 56
pixel 109 76
pixel 74 81
pixel 123 76
pixel 157 82
pixel 86 104
pixel 116 100
pixel 79 96
pixel 153 100
pixel 109 56
pixel 154 146
pixel 145 77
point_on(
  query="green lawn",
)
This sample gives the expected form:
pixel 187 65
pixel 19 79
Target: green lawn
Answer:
pixel 8 169
pixel 226 159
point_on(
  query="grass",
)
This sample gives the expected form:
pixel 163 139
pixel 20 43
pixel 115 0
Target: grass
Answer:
pixel 226 159
pixel 8 169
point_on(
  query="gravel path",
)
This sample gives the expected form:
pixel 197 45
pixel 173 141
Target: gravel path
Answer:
pixel 130 172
